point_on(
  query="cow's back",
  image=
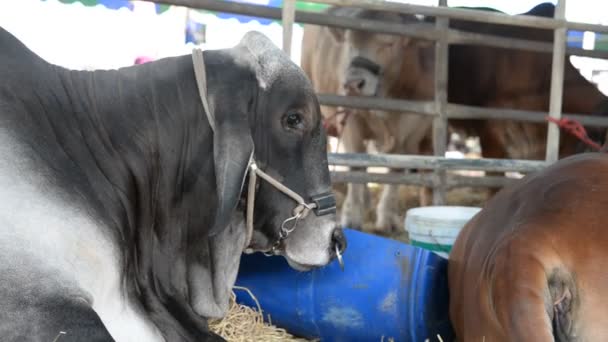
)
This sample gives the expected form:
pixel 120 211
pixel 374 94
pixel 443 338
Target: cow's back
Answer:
pixel 488 71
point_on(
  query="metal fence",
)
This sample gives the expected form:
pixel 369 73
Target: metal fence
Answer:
pixel 440 109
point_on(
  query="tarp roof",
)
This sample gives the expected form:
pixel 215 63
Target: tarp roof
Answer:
pixel 160 8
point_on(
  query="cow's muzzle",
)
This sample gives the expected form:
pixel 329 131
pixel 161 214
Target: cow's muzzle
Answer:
pixel 362 77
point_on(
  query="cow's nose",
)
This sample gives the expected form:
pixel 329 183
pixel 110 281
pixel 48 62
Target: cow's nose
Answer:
pixel 355 85
pixel 338 240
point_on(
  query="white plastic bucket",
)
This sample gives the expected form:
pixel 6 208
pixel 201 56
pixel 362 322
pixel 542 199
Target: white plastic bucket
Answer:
pixel 436 227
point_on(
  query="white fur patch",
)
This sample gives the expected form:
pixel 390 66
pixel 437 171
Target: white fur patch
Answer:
pixel 36 223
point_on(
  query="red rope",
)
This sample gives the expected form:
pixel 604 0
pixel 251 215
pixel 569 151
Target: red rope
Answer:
pixel 575 128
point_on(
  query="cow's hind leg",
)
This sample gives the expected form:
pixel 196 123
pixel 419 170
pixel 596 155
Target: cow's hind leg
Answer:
pixel 532 300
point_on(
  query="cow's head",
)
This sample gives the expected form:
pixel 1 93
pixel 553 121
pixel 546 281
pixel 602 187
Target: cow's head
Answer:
pixel 374 61
pixel 272 111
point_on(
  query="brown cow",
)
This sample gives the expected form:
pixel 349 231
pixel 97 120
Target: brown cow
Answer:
pixel 530 265
pixel 518 79
pixel 323 59
pixel 478 76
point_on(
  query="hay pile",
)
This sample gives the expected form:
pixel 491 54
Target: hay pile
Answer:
pixel 245 324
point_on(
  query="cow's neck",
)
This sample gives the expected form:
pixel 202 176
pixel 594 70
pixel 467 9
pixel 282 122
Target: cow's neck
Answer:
pixel 147 133
pixel 416 75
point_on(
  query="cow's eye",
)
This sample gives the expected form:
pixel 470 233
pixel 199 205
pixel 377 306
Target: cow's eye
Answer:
pixel 293 120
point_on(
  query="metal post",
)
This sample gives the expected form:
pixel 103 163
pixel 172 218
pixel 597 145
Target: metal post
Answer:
pixel 440 122
pixel 288 15
pixel 557 83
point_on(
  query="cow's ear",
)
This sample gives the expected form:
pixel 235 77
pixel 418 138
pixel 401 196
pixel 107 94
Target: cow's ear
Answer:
pixel 232 93
pixel 337 33
pixel 232 152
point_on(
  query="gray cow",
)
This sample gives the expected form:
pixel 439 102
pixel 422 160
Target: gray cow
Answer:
pixel 122 210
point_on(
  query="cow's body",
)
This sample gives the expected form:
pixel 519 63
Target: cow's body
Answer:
pixel 478 76
pixel 325 60
pixel 121 212
pixel 531 265
pixel 516 79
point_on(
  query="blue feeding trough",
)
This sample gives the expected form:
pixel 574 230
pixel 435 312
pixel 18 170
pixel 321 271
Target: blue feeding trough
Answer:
pixel 388 289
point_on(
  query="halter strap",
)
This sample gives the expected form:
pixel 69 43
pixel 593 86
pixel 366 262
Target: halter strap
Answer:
pixel 201 80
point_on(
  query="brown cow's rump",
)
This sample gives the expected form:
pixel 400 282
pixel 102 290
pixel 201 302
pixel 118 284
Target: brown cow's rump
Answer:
pixel 531 266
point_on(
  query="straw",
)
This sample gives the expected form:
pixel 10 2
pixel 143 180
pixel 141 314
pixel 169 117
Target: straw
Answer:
pixel 246 324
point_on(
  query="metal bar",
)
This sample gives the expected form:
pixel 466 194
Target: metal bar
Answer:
pixel 440 122
pixel 313 18
pixel 378 103
pixel 482 39
pixel 402 161
pixel 227 7
pixel 557 84
pixel 482 113
pixel 452 181
pixel 453 111
pixel 572 25
pixel 288 15
pixel 362 177
pixel 456 181
pixel 472 38
pixel 467 14
pixel 587 53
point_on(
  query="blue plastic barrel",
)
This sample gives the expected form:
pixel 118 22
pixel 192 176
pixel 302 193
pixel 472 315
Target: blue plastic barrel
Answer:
pixel 388 290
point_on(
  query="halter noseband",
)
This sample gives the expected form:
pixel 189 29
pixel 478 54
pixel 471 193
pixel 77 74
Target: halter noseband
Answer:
pixel 322 204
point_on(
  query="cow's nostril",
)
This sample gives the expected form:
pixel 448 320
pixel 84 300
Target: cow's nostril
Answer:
pixel 355 85
pixel 338 240
pixel 361 84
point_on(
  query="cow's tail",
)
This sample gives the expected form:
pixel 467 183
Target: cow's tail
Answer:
pixel 534 302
